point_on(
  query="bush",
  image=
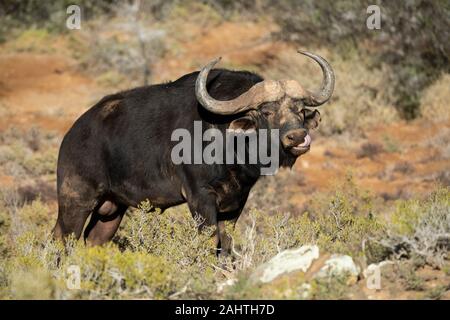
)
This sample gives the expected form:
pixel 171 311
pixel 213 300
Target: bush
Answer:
pixel 345 218
pixel 434 101
pixel 50 15
pixel 162 255
pixel 28 153
pixel 421 229
pixel 174 236
pixel 106 272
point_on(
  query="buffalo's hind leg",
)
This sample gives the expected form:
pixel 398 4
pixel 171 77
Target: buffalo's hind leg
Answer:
pixel 104 223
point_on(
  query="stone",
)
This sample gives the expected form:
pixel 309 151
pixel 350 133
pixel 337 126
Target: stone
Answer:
pixel 338 265
pixel 287 261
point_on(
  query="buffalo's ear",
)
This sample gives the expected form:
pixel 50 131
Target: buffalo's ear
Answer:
pixel 244 123
pixel 312 119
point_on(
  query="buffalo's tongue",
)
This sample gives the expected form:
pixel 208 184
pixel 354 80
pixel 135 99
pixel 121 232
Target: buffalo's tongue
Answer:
pixel 306 142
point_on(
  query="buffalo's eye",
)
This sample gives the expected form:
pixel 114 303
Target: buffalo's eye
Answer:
pixel 267 113
pixel 302 114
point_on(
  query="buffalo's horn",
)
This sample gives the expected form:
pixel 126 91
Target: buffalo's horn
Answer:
pixel 264 91
pixel 316 99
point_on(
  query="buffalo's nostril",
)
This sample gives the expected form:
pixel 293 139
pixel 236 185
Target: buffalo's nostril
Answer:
pixel 294 138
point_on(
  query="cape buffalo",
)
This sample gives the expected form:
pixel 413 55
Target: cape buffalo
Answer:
pixel 118 153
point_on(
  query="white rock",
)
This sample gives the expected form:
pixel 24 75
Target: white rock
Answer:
pixel 287 261
pixel 338 265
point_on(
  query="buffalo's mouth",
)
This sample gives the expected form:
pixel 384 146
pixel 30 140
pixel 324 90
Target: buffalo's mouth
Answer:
pixel 302 147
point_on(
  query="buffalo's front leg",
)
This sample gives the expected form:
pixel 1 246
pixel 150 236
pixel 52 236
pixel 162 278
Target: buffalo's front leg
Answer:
pixel 202 204
pixel 223 240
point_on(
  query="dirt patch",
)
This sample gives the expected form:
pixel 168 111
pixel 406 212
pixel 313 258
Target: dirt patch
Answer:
pixel 42 90
pixel 238 43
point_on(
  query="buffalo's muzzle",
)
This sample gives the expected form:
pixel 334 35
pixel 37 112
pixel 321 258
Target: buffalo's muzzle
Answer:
pixel 296 141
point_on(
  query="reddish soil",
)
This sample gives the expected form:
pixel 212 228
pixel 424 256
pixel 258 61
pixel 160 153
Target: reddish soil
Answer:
pixel 42 90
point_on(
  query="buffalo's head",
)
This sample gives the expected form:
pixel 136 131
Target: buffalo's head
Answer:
pixel 274 104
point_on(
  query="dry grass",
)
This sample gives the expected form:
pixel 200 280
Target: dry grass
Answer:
pixel 370 150
pixel 150 241
pixel 158 255
pixel 435 100
pixel 422 230
pixel 28 153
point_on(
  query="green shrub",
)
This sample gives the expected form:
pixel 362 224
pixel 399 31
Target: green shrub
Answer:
pixel 28 152
pixel 41 163
pixel 174 236
pixel 32 40
pixel 108 272
pixel 162 255
pixel 32 284
pixel 329 288
pixel 345 218
pixel 420 229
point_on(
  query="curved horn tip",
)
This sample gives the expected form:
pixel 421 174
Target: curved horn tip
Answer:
pixel 304 52
pixel 214 62
pixel 316 99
